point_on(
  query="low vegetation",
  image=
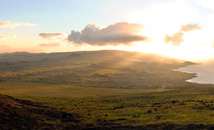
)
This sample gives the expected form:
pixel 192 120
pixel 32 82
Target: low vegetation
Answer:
pixel 49 90
pixel 101 90
pixel 177 108
pixel 22 114
pixel 101 69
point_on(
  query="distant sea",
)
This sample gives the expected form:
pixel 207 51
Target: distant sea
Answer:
pixel 204 72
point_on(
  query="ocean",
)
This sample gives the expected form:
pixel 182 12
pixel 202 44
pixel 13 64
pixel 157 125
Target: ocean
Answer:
pixel 204 72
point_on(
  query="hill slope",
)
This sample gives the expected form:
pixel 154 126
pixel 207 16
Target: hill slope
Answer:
pixel 11 62
pixel 109 69
pixel 173 110
pixel 21 114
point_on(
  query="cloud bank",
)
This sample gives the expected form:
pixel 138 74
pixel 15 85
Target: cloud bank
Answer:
pixel 14 24
pixel 190 27
pixel 50 36
pixel 177 38
pixel 49 44
pixel 7 37
pixel 118 33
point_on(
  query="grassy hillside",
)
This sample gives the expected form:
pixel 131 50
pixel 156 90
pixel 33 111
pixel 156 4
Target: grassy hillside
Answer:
pixel 183 109
pixel 101 90
pixel 49 90
pixel 172 110
pixel 101 69
pixel 11 62
pixel 21 114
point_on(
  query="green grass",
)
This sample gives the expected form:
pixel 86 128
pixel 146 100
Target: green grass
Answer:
pixel 190 106
pixel 50 90
pixel 100 69
pixel 109 87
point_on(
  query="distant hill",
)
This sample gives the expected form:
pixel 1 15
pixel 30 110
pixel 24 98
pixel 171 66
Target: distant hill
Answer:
pixel 23 60
pixel 107 68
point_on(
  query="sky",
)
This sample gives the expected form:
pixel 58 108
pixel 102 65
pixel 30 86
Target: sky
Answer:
pixel 178 28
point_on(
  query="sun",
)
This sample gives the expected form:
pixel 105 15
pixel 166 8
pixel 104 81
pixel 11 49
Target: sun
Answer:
pixel 166 19
pixel 184 52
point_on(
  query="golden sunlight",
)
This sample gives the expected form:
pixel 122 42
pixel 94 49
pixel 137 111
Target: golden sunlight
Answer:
pixel 184 53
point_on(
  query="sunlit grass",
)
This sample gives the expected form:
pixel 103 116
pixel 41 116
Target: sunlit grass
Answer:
pixel 49 90
pixel 172 107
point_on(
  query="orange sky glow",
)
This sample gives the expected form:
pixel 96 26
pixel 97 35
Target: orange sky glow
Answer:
pixel 175 28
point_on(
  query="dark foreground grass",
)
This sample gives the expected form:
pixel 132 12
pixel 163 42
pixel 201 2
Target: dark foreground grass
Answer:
pixel 178 107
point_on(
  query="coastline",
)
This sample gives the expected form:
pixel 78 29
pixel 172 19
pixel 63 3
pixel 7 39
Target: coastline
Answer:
pixel 203 73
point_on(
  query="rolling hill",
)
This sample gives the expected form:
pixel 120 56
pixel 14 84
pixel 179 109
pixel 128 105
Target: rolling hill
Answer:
pixel 102 69
pixel 101 90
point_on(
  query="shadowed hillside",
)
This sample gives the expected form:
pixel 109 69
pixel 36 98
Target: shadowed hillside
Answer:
pixel 22 114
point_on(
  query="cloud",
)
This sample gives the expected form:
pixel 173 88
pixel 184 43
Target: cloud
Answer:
pixel 119 33
pixel 14 24
pixel 49 44
pixel 50 36
pixel 7 37
pixel 177 38
pixel 190 27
